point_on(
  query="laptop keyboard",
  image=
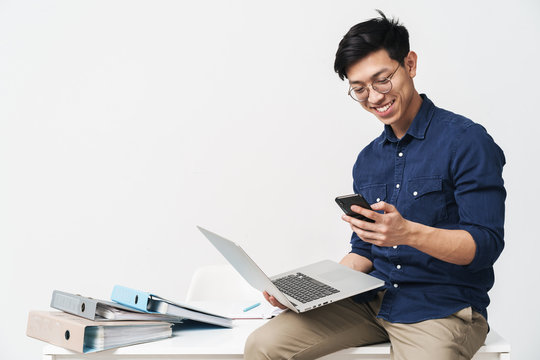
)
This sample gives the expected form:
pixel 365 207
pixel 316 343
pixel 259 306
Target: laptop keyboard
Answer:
pixel 303 288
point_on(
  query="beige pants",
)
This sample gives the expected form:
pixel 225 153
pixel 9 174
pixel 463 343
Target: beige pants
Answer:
pixel 347 324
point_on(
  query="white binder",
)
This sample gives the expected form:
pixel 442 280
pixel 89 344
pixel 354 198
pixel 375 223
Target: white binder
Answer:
pixel 102 310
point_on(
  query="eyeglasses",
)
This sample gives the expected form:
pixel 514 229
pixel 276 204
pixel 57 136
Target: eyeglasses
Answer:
pixel 382 86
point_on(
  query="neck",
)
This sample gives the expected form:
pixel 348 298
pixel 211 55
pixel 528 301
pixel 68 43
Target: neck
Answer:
pixel 400 129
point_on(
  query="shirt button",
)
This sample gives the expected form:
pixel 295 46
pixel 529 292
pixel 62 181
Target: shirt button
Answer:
pixel 395 246
pixel 396 285
pixel 397 186
pixel 415 193
pixel 400 154
pixel 398 267
pixel 378 199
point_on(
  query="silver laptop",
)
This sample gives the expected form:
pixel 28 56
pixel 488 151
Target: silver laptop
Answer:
pixel 301 289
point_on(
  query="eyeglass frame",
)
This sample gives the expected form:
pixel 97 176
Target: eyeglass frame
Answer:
pixel 388 78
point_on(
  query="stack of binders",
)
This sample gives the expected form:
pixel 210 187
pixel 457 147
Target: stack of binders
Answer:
pixel 87 325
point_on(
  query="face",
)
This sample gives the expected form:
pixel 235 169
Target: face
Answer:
pixel 398 107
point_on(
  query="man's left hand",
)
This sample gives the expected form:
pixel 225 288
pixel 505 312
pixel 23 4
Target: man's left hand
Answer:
pixel 389 228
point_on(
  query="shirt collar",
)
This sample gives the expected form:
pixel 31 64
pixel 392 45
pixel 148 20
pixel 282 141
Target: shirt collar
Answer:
pixel 419 125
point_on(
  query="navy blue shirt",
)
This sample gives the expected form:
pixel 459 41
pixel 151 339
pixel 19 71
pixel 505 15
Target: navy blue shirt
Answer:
pixel 445 172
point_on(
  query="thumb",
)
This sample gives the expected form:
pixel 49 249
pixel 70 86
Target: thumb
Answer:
pixel 383 206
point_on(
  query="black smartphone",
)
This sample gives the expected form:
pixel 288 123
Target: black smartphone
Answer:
pixel 346 201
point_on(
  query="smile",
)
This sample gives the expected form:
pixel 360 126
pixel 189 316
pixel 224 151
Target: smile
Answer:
pixel 384 108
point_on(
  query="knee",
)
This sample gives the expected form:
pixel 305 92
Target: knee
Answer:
pixel 259 346
pixel 253 348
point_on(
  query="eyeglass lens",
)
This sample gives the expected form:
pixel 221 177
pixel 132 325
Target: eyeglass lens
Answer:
pixel 362 93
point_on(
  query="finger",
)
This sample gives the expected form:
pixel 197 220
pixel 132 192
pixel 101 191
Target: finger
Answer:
pixel 272 300
pixel 368 236
pixel 370 214
pixel 276 303
pixel 350 219
pixel 383 206
pixel 280 305
pixel 267 297
pixel 362 224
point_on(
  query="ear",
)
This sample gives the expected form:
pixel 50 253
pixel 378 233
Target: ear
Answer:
pixel 410 63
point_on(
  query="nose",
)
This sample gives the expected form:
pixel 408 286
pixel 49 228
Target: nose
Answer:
pixel 374 97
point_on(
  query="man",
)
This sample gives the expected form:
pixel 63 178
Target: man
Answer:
pixel 435 181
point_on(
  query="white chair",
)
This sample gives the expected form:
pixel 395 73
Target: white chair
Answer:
pixel 220 283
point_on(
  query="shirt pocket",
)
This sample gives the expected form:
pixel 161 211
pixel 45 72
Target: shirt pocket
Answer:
pixel 373 193
pixel 425 196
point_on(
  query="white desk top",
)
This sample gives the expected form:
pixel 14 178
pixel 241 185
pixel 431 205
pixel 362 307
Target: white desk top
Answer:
pixel 222 341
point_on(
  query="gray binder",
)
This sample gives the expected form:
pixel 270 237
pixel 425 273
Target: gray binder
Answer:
pixel 102 310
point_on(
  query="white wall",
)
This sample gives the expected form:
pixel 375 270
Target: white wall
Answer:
pixel 123 124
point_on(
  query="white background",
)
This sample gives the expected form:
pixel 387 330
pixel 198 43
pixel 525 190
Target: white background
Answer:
pixel 123 124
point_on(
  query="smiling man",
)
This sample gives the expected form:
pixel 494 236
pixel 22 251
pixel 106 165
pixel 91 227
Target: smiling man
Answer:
pixel 434 179
pixel 397 102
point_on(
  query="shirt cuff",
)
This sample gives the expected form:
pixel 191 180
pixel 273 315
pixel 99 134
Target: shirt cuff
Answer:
pixel 488 248
pixel 361 247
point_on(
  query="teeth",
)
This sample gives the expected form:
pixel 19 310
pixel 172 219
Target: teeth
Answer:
pixel 384 108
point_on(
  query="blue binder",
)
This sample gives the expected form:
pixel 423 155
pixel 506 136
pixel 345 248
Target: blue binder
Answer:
pixel 151 303
pixel 130 297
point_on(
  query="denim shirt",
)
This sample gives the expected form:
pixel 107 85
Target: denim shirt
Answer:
pixel 446 172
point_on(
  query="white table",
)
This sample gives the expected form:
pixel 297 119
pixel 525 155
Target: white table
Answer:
pixel 220 344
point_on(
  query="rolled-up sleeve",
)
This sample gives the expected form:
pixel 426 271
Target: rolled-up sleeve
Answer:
pixel 360 247
pixel 480 194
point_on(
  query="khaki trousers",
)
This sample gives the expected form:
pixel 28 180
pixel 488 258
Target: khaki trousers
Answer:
pixel 347 324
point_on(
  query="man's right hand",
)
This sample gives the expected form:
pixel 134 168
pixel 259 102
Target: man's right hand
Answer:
pixel 273 301
pixel 351 260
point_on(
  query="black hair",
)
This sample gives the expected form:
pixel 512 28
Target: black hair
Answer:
pixel 370 36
